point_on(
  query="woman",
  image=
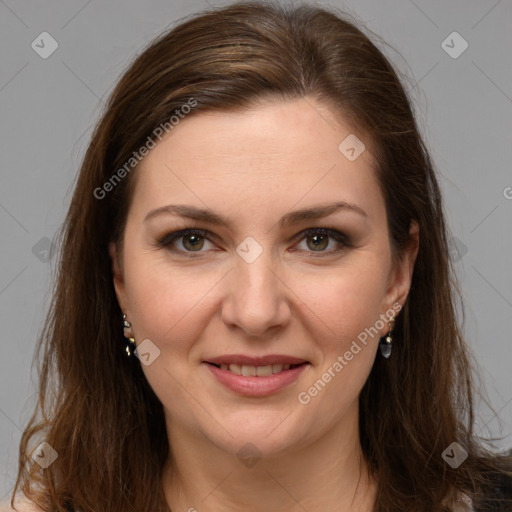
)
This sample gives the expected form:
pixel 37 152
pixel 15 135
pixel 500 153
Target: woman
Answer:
pixel 254 308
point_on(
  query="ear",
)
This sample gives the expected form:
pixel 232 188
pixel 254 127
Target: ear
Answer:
pixel 401 275
pixel 118 279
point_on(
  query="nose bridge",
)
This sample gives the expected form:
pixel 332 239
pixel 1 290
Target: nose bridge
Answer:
pixel 255 290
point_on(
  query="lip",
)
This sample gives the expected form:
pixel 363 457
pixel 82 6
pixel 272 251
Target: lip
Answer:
pixel 255 361
pixel 257 386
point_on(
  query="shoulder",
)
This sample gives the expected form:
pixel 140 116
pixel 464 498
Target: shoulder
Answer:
pixel 463 504
pixel 21 504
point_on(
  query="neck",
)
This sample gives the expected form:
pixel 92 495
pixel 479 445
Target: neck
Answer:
pixel 327 474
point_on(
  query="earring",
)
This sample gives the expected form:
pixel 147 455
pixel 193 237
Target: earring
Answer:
pixel 386 342
pixel 130 346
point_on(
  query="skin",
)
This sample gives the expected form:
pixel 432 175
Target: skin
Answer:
pixel 254 167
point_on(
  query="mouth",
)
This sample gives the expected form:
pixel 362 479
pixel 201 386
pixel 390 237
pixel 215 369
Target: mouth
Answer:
pixel 256 371
pixel 256 376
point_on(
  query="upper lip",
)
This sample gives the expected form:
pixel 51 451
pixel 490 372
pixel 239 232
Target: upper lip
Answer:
pixel 255 361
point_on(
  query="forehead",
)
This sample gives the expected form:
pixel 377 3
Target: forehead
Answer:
pixel 276 153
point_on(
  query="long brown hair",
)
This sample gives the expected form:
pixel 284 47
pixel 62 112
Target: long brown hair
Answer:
pixel 96 408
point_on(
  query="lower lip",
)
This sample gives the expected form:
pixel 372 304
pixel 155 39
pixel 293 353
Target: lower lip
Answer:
pixel 257 386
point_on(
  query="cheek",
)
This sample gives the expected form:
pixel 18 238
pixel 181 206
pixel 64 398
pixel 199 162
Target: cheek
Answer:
pixel 347 302
pixel 177 307
pixel 169 307
pixel 167 302
pixel 173 302
pixel 348 318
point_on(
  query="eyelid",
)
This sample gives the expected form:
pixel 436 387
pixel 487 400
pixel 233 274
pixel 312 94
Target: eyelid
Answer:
pixel 170 237
pixel 167 239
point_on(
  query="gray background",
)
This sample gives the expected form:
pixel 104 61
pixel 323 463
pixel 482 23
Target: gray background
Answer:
pixel 48 107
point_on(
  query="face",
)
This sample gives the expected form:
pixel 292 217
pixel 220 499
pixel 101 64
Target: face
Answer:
pixel 259 286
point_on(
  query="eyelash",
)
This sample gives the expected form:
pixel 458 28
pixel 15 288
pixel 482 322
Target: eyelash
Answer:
pixel 167 239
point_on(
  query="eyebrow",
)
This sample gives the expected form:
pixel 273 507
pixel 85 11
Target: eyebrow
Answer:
pixel 211 217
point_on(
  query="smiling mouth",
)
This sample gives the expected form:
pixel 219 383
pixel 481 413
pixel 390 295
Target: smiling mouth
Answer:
pixel 256 371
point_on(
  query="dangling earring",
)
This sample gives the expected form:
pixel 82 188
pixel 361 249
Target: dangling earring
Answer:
pixel 386 342
pixel 130 346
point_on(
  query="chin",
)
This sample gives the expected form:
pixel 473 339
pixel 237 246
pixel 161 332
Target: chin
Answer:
pixel 270 435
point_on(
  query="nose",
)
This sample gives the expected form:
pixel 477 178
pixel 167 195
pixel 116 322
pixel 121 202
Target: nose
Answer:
pixel 257 298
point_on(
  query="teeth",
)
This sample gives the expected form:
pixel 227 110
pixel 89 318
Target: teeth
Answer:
pixel 264 371
pixel 248 371
pixel 252 371
pixel 235 368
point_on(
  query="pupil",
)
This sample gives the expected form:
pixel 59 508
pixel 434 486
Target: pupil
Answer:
pixel 195 241
pixel 320 244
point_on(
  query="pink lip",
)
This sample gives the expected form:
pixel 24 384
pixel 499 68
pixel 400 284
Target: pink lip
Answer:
pixel 255 361
pixel 256 386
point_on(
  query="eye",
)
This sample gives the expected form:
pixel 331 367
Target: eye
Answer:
pixel 193 241
pixel 317 240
